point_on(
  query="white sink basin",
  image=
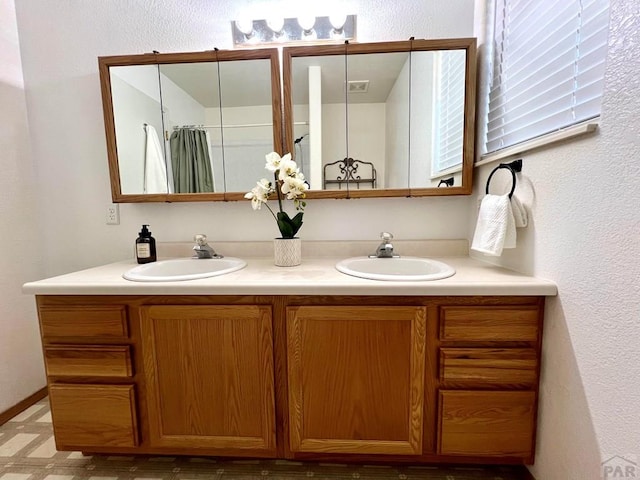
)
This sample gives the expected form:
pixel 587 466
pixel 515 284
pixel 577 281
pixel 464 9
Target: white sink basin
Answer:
pixel 399 269
pixel 184 269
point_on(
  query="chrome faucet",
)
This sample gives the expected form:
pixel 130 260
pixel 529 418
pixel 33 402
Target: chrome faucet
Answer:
pixel 385 249
pixel 202 249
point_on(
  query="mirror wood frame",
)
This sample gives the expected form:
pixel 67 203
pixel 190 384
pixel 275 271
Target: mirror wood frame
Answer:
pixel 467 44
pixel 105 62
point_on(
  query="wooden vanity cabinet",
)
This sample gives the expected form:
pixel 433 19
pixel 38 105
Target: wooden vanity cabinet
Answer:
pixel 345 378
pixel 152 374
pixel 488 375
pixel 87 354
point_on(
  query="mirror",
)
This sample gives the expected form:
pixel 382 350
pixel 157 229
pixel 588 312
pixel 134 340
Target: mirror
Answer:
pixel 382 119
pixel 362 120
pixel 190 126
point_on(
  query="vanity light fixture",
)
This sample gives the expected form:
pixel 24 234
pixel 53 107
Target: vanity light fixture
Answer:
pixel 249 33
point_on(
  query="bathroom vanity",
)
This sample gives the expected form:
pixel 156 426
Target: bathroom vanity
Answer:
pixel 300 363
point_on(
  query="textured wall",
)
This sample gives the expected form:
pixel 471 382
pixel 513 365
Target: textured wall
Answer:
pixel 21 368
pixel 67 132
pixel 585 235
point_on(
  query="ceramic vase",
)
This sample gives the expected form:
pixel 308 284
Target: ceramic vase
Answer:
pixel 287 252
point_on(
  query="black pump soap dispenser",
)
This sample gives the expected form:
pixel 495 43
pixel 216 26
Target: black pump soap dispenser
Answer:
pixel 145 246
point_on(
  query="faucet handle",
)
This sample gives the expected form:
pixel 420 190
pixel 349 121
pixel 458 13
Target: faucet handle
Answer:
pixel 200 239
pixel 386 236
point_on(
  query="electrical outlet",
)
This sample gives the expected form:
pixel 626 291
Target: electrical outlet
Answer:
pixel 113 214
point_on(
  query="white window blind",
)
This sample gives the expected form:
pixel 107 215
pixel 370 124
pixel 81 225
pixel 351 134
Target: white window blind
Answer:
pixel 548 67
pixel 449 85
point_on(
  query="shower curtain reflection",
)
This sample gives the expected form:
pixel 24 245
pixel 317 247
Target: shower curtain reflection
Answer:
pixel 190 161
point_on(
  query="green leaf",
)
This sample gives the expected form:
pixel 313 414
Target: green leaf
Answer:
pixel 296 223
pixel 297 220
pixel 289 226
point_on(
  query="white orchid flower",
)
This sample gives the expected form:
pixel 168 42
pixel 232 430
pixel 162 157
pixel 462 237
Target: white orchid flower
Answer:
pixel 294 187
pixel 259 194
pixel 265 185
pixel 288 168
pixel 274 161
pixel 288 182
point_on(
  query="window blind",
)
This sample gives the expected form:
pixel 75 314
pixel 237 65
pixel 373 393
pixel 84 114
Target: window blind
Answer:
pixel 449 112
pixel 548 67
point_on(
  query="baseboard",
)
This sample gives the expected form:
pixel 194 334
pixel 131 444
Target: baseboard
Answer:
pixel 22 405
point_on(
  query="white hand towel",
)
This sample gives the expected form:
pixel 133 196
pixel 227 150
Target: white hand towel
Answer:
pixel 155 170
pixel 496 228
pixel 519 212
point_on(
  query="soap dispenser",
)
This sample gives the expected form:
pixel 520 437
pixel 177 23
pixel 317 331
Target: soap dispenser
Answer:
pixel 145 246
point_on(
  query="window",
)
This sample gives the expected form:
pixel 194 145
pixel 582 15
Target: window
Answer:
pixel 448 116
pixel 548 67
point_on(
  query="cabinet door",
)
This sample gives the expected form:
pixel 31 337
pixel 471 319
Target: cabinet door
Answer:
pixel 209 377
pixel 356 379
pixel 93 416
pixel 490 423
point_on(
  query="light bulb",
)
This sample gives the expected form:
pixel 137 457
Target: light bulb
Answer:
pixel 276 24
pixel 245 26
pixel 307 22
pixel 337 21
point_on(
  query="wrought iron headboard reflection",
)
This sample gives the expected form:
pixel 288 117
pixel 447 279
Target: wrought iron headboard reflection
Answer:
pixel 351 171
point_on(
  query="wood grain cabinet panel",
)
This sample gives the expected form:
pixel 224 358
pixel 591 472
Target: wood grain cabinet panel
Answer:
pixel 356 379
pixel 505 367
pixel 88 361
pixel 210 377
pixel 93 416
pixel 489 323
pixel 487 423
pixel 344 378
pixel 83 321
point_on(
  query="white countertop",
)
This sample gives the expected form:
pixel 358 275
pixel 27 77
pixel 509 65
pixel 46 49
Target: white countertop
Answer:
pixel 315 276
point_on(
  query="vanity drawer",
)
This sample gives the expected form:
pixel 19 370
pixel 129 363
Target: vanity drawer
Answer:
pixel 484 423
pixel 93 416
pixel 84 321
pixel 489 323
pixel 489 366
pixel 98 361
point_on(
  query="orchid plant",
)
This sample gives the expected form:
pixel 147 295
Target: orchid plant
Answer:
pixel 289 182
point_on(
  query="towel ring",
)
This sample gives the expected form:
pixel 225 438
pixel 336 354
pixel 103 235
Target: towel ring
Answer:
pixel 513 167
pixel 447 182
